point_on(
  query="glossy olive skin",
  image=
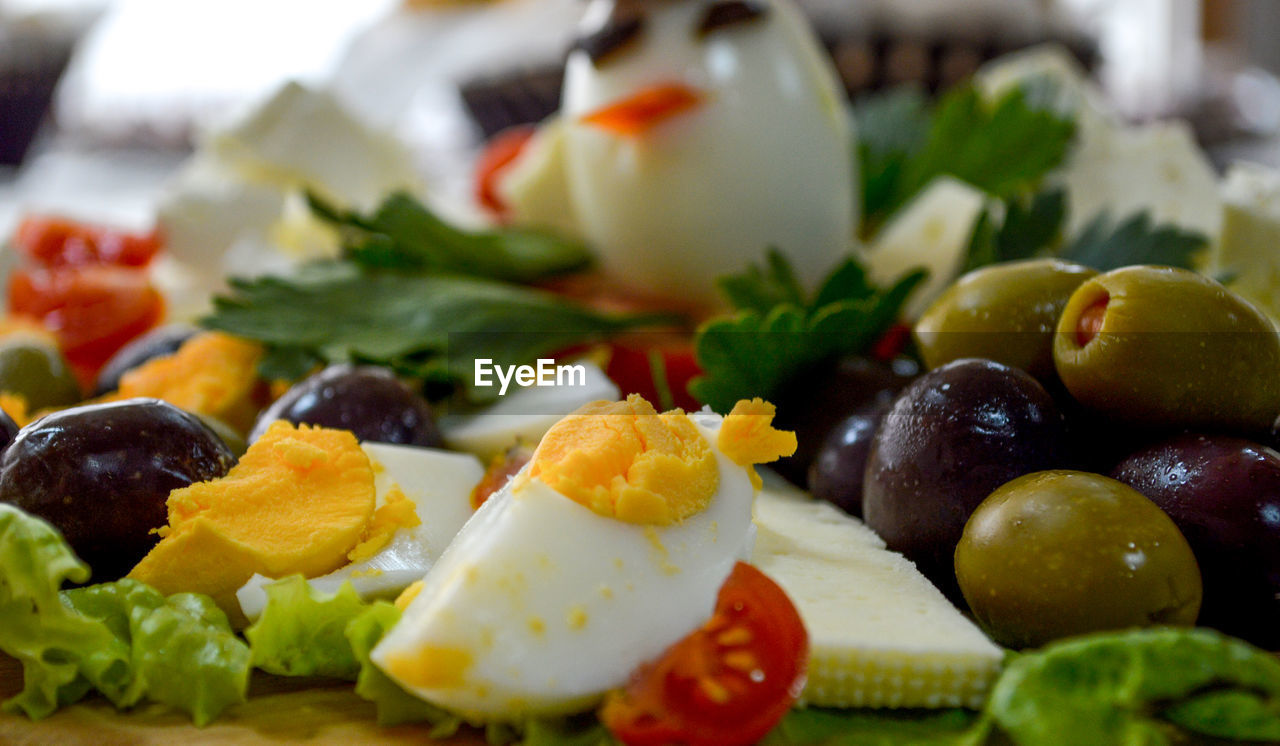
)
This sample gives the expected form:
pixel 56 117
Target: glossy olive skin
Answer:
pixel 837 472
pixel 101 473
pixel 367 400
pixel 952 437
pixel 1224 494
pixel 817 401
pixel 1173 349
pixel 1061 553
pixel 38 372
pixel 8 429
pixel 1004 312
pixel 158 342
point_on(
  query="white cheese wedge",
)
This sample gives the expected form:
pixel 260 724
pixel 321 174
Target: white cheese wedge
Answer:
pixel 880 634
pixel 930 232
pixel 1073 92
pixel 302 136
pixel 236 208
pixel 1247 248
pixel 439 483
pixel 524 414
pixel 1156 168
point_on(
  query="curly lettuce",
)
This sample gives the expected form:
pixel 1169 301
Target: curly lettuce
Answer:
pixel 123 639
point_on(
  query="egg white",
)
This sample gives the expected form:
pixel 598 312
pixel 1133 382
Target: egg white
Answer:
pixel 439 483
pixel 766 161
pixel 555 604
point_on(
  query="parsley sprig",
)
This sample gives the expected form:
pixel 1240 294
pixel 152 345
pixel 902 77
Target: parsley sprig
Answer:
pixel 1004 148
pixel 778 332
pixel 418 296
pixel 1032 226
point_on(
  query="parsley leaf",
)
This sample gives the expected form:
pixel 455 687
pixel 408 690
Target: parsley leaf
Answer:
pixel 777 334
pixel 1003 148
pixel 432 327
pixel 1105 245
pixel 403 235
pixel 890 127
pixel 1030 227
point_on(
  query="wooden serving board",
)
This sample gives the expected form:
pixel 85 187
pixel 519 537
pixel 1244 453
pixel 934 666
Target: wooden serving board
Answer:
pixel 279 711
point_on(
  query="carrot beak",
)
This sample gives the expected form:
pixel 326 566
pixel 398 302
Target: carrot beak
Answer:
pixel 645 109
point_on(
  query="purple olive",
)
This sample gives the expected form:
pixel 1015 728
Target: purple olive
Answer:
pixel 836 474
pixel 819 400
pixel 950 439
pixel 367 400
pixel 101 474
pixel 1224 494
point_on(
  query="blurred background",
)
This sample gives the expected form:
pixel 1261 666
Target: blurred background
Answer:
pixel 100 100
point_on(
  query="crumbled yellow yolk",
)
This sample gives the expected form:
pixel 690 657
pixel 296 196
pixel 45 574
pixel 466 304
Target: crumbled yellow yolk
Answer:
pixel 396 512
pixel 431 666
pixel 748 437
pixel 624 460
pixel 408 594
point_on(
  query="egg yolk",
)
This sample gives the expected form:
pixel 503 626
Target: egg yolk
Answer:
pixel 626 461
pixel 748 437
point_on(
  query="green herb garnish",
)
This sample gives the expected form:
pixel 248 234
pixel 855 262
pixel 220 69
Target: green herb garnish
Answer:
pixel 402 234
pixel 430 327
pixel 1105 245
pixel 1004 148
pixel 778 332
pixel 419 297
pixel 1032 227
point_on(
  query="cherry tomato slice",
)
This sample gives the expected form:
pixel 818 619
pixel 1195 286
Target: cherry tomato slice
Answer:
pixel 54 242
pixel 498 154
pixel 727 683
pixel 93 310
pixel 637 369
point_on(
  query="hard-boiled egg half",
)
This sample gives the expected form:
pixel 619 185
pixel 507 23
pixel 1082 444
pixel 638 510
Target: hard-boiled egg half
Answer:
pixel 430 490
pixel 693 135
pixel 607 548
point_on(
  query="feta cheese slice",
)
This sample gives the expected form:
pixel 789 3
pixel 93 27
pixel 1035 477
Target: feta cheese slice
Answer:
pixel 880 634
pixel 1250 235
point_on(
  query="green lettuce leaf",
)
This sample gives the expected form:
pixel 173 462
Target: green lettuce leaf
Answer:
pixel 302 632
pixel 394 704
pixel 183 652
pixel 63 653
pixel 827 727
pixel 1135 687
pixel 123 639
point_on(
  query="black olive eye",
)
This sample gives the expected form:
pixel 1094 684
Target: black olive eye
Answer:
pixel 725 13
pixel 620 30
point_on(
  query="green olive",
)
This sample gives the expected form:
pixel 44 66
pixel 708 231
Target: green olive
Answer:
pixel 38 372
pixel 1005 312
pixel 1059 553
pixel 1158 346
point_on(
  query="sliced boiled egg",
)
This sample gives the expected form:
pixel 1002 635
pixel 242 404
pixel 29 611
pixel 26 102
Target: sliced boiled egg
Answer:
pixel 705 136
pixel 429 491
pixel 524 413
pixel 607 548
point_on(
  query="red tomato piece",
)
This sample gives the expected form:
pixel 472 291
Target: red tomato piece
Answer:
pixel 727 683
pixel 56 242
pixel 635 367
pixel 92 310
pixel 499 153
